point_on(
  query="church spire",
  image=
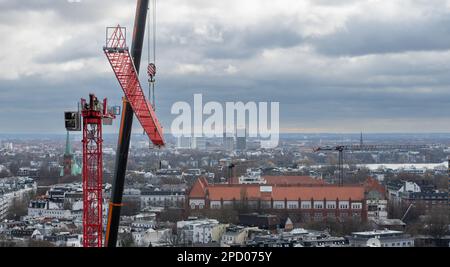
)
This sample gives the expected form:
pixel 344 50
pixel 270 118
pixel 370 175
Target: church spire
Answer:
pixel 68 146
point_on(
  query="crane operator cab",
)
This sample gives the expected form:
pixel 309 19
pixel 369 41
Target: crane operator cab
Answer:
pixel 72 121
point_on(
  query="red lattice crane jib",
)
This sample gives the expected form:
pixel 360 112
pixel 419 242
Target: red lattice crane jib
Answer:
pixel 118 54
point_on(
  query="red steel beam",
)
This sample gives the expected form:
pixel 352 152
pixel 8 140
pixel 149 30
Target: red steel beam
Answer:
pixel 123 66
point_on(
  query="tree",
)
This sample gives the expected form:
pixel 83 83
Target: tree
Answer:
pixel 441 182
pixel 353 225
pixel 4 173
pixel 131 207
pixel 414 229
pixel 398 211
pixel 414 214
pixel 19 206
pixel 14 168
pixel 437 222
pixel 171 215
pixel 127 240
pixel 360 176
pixel 39 244
pixel 172 239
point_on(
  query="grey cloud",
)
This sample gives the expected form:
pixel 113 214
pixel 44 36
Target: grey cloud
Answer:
pixel 70 51
pixel 383 89
pixel 85 11
pixel 246 43
pixel 335 2
pixel 364 37
pixel 236 43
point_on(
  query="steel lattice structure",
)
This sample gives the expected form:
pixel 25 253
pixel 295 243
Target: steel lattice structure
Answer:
pixel 93 114
pixel 118 54
pixel 92 178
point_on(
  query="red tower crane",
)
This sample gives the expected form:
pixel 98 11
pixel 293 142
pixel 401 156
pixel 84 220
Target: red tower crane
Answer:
pixel 94 115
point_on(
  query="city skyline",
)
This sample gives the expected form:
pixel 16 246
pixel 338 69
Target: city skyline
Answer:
pixel 230 125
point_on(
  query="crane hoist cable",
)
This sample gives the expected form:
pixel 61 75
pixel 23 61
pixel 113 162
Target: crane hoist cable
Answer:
pixel 151 57
pixel 151 53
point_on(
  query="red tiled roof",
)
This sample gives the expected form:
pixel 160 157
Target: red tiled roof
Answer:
pixel 292 180
pixel 230 192
pixel 198 190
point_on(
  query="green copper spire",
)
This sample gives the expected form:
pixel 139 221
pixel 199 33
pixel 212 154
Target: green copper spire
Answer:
pixel 76 168
pixel 68 146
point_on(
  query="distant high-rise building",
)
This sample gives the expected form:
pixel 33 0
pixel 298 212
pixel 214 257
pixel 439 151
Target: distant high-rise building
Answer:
pixel 184 142
pixel 199 143
pixel 228 142
pixel 255 144
pixel 193 142
pixel 361 141
pixel 241 139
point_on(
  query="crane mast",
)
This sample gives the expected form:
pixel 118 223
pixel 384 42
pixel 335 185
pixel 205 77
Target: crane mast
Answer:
pixel 94 114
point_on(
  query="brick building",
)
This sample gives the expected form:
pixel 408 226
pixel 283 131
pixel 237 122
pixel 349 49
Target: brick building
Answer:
pixel 427 200
pixel 376 200
pixel 313 202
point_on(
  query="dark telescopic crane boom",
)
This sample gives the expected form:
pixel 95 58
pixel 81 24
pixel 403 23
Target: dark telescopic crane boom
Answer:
pixel 126 126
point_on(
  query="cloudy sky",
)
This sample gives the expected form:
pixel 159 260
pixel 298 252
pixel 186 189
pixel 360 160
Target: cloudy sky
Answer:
pixel 334 65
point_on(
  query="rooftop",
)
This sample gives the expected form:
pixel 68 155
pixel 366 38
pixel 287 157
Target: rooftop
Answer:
pixel 292 180
pixel 385 232
pixel 255 192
